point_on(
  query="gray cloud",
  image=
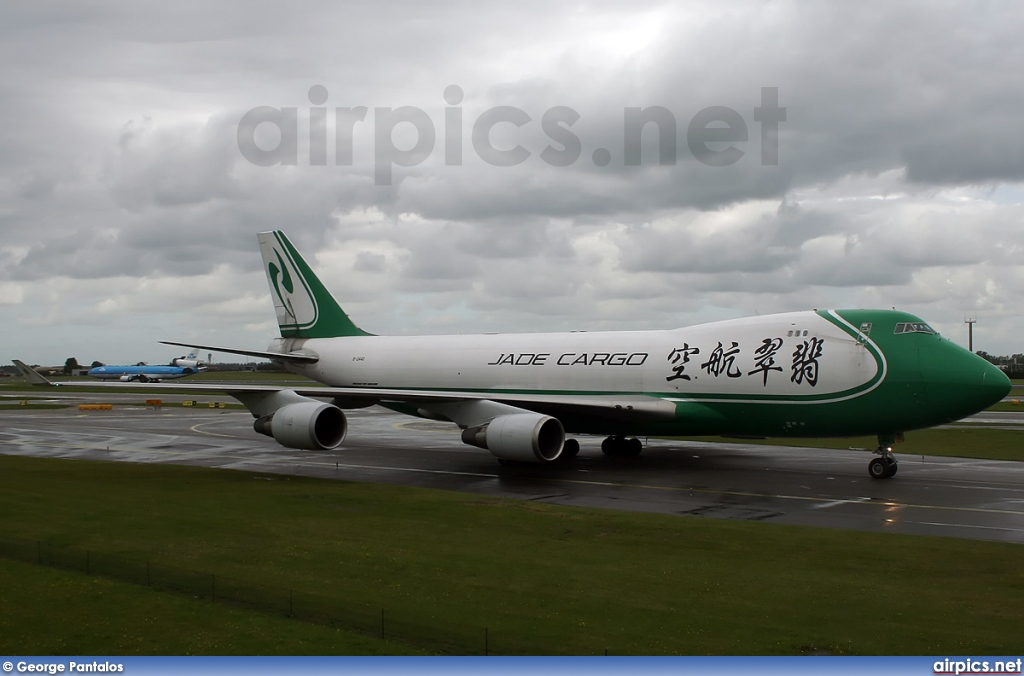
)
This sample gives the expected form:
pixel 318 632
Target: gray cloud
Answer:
pixel 121 184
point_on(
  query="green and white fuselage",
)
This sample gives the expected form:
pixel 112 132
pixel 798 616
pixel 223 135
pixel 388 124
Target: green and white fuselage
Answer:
pixel 816 373
pixel 800 374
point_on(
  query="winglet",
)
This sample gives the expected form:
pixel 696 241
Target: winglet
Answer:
pixel 31 374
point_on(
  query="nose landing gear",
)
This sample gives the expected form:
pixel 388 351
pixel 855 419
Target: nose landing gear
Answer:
pixel 884 466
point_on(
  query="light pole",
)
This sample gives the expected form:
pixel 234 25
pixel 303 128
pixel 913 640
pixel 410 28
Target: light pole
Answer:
pixel 970 321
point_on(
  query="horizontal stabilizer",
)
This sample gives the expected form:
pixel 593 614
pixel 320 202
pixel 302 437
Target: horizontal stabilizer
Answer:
pixel 293 357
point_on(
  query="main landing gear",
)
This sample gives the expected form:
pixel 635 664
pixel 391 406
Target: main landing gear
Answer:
pixel 621 446
pixel 884 466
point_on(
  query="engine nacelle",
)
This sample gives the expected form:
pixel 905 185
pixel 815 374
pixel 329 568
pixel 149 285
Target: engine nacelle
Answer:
pixel 527 437
pixel 310 425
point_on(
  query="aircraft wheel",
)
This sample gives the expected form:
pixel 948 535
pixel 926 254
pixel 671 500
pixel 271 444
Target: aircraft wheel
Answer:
pixel 571 448
pixel 621 446
pixel 891 469
pixel 879 469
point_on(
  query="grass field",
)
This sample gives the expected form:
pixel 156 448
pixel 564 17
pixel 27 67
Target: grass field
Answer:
pixel 541 578
pixel 54 612
pixel 34 406
pixel 1007 407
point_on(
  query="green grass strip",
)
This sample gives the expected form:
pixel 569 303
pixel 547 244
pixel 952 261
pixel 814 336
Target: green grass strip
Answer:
pixel 1007 407
pixel 56 612
pixel 541 578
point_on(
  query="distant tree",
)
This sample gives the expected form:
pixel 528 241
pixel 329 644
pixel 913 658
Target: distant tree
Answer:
pixel 70 365
pixel 95 364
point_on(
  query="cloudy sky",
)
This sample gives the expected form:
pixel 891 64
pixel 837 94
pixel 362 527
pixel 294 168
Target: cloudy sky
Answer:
pixel 130 200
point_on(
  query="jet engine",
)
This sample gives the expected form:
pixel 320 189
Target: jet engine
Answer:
pixel 311 425
pixel 527 437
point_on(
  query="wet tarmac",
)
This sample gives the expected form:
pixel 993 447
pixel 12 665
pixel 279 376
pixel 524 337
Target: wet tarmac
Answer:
pixel 953 497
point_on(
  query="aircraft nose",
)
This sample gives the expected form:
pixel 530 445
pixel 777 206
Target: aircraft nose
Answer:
pixel 995 384
pixel 967 384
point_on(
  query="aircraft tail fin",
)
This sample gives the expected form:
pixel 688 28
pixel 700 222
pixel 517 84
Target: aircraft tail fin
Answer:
pixel 30 374
pixel 304 307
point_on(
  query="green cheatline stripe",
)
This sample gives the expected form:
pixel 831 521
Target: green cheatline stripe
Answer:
pixel 682 398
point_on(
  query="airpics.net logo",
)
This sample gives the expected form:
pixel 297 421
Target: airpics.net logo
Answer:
pixel 964 667
pixel 269 136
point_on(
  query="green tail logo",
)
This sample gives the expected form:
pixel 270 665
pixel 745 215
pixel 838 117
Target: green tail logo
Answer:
pixel 305 309
pixel 286 282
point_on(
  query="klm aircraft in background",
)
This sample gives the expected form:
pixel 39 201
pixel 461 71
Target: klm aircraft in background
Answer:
pixel 819 373
pixel 141 373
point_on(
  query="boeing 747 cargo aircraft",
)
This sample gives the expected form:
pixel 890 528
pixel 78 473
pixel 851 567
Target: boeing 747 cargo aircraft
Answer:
pixel 819 373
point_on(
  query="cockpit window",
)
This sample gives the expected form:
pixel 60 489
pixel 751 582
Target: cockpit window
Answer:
pixel 913 327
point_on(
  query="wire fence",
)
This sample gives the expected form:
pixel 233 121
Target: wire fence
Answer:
pixel 280 601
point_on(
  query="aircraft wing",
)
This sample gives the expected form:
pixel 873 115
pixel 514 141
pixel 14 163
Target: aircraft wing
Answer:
pixel 634 407
pixel 33 376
